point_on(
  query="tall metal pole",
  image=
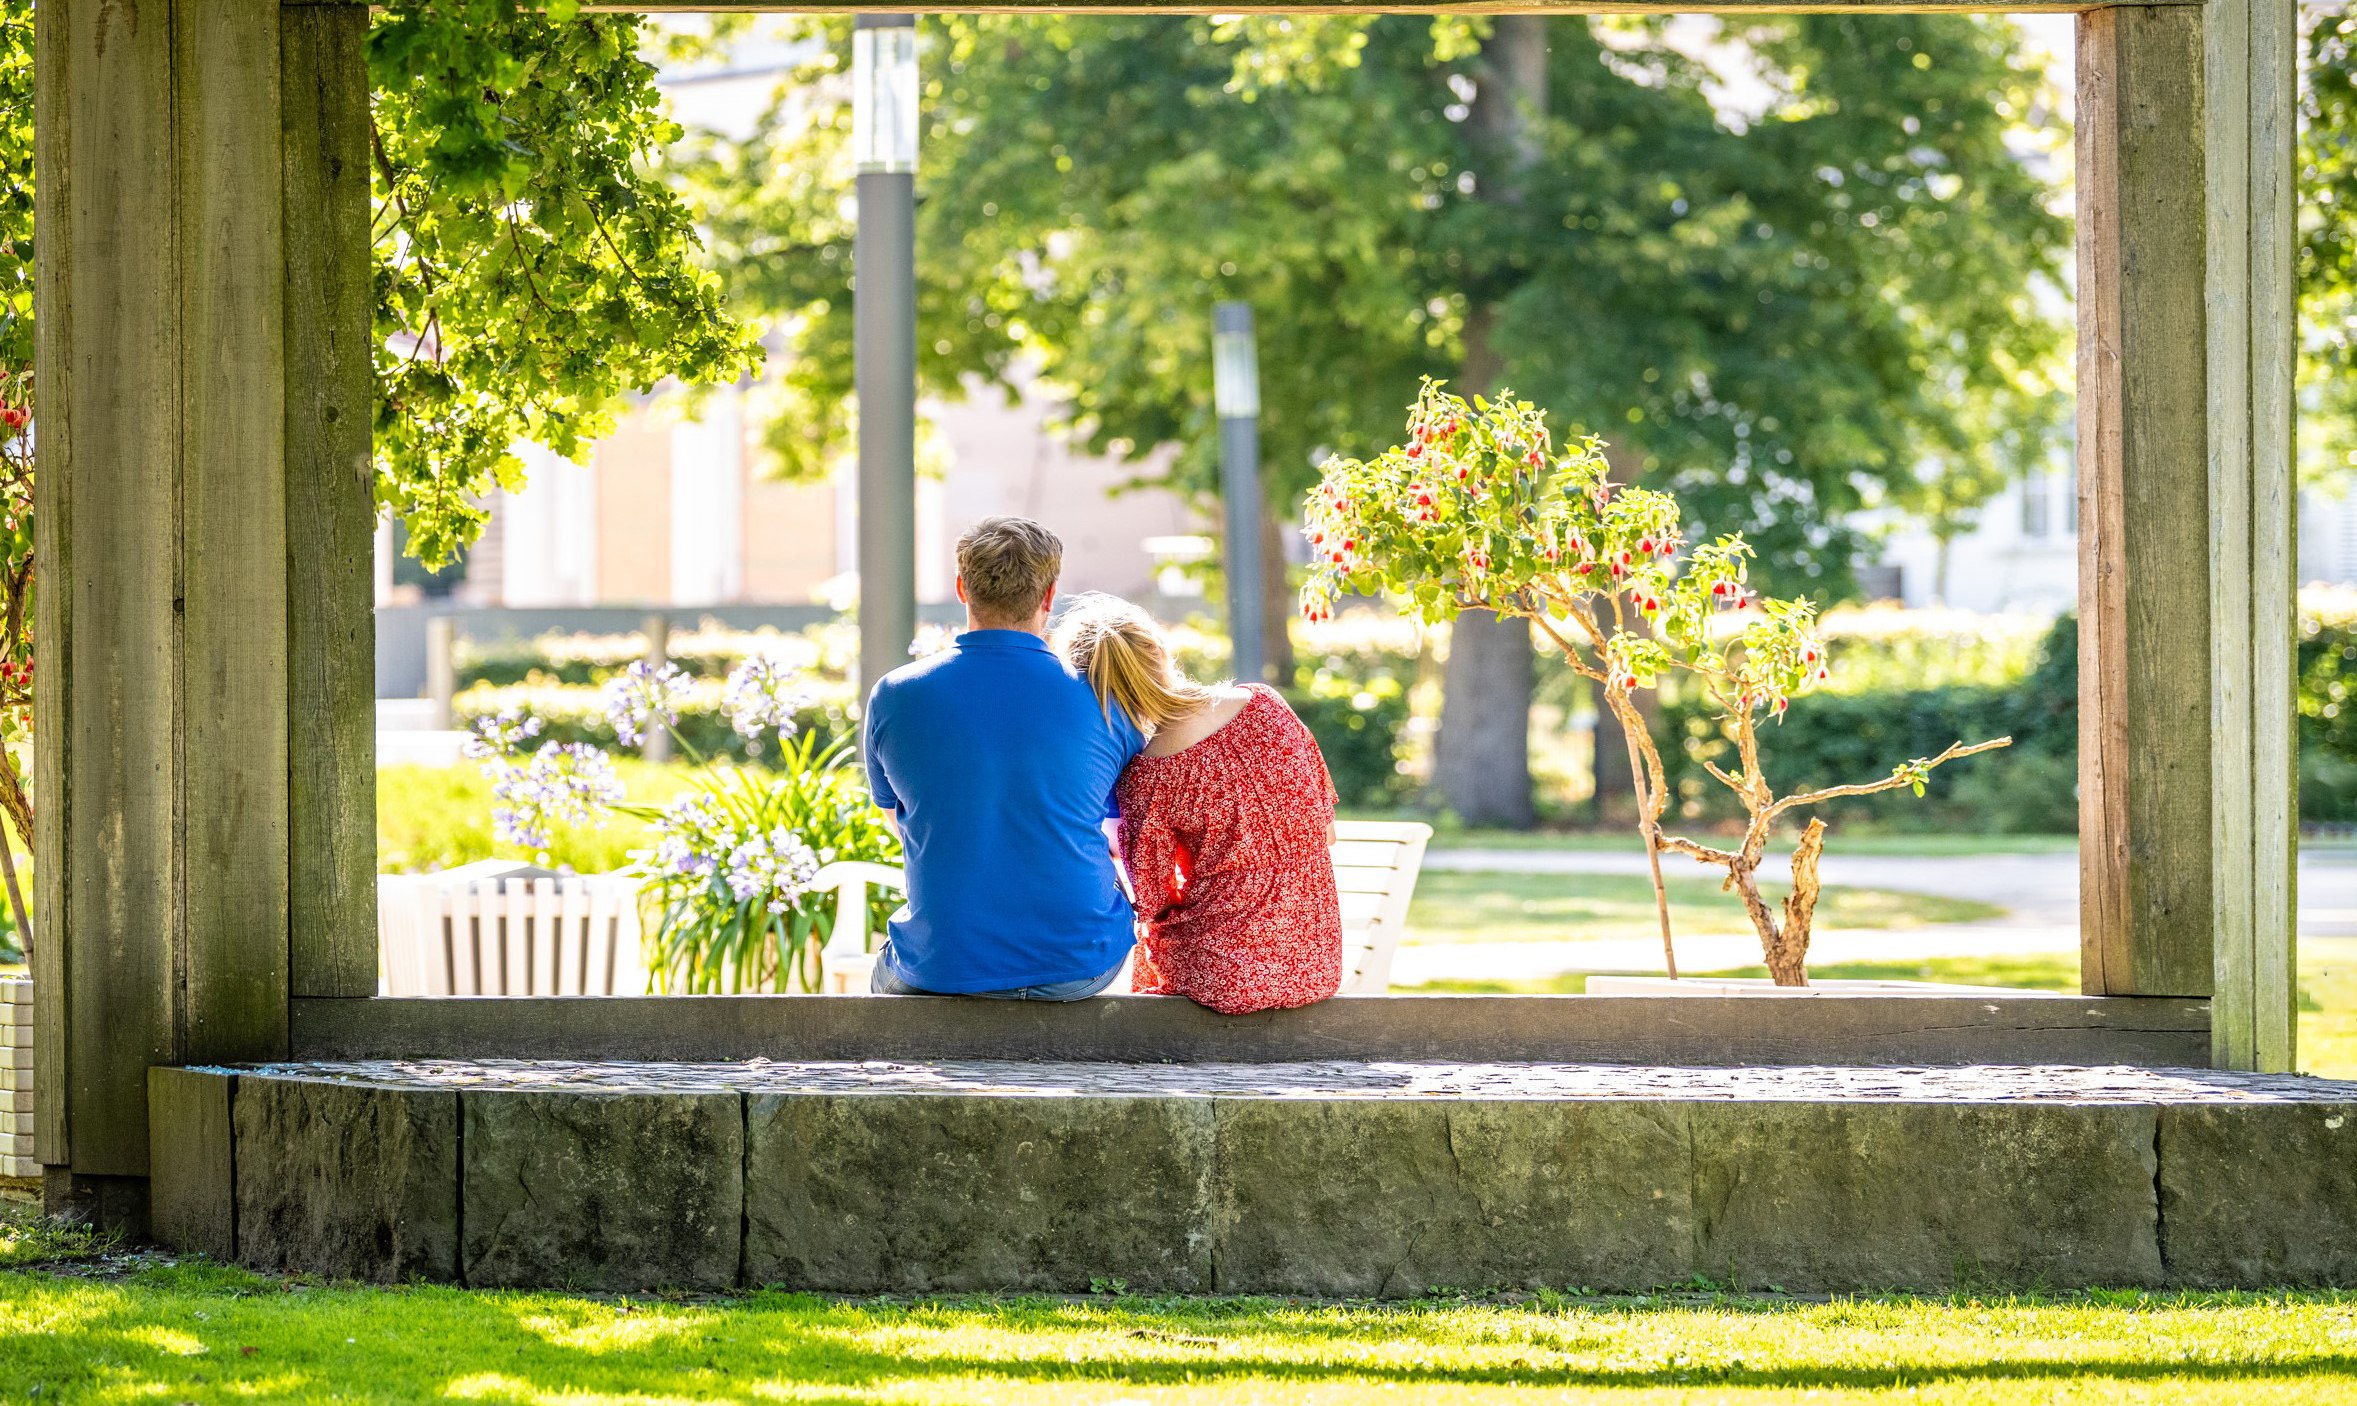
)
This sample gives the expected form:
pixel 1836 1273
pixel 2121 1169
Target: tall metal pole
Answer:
pixel 1235 374
pixel 884 345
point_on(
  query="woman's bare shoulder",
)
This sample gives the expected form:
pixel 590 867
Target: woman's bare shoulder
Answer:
pixel 1227 700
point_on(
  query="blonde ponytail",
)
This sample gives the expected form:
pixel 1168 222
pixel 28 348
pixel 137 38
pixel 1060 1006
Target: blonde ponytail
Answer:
pixel 1116 647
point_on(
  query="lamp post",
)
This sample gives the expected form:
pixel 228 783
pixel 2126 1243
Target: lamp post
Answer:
pixel 884 336
pixel 1235 394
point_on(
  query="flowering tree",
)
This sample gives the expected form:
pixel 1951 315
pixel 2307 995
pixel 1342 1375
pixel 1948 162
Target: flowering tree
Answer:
pixel 729 873
pixel 16 628
pixel 1480 509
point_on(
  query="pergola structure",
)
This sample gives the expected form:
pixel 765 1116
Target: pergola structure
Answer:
pixel 206 842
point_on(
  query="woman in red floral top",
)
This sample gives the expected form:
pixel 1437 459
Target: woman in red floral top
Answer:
pixel 1225 822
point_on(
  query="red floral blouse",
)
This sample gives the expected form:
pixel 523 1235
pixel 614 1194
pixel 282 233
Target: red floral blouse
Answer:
pixel 1225 844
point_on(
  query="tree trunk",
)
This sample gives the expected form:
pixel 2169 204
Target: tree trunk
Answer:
pixel 1615 800
pixel 1788 955
pixel 1277 602
pixel 1481 761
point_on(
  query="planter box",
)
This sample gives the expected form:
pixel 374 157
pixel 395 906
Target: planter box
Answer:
pixel 1761 986
pixel 16 1080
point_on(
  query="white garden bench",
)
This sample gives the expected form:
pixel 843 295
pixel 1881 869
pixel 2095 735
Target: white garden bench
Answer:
pixel 503 929
pixel 1375 866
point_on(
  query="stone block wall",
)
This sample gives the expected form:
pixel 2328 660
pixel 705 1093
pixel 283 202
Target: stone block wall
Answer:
pixel 1327 1178
pixel 16 1080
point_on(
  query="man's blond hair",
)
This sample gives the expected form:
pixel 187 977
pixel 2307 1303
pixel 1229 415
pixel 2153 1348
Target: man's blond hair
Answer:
pixel 1008 564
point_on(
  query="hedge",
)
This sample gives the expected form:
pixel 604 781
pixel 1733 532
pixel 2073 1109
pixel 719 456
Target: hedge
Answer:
pixel 1827 739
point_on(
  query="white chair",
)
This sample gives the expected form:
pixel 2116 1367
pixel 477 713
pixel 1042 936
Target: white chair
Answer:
pixel 1375 867
pixel 848 959
pixel 503 929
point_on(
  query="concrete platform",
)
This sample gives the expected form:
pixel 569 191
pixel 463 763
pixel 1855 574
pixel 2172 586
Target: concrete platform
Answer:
pixel 1326 1178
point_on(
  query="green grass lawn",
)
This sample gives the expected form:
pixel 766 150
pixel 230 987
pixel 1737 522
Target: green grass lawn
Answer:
pixel 1849 842
pixel 1476 907
pixel 198 1333
pixel 2328 989
pixel 439 817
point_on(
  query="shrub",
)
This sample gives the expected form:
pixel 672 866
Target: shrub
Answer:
pixel 576 713
pixel 1361 727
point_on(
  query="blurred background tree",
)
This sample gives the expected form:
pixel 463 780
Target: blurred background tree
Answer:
pixel 1779 313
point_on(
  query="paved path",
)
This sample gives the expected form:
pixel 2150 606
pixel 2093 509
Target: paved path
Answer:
pixel 2040 893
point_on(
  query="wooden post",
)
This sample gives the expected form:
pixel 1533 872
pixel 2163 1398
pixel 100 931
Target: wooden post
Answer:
pixel 2250 53
pixel 2186 838
pixel 331 499
pixel 204 517
pixel 110 366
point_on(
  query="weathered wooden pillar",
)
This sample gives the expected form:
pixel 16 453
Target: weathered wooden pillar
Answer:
pixel 199 489
pixel 2185 483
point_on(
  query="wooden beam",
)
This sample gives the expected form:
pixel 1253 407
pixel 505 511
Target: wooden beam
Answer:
pixel 331 504
pixel 2144 584
pixel 165 756
pixel 110 364
pixel 2029 1028
pixel 2249 57
pixel 53 540
pixel 234 530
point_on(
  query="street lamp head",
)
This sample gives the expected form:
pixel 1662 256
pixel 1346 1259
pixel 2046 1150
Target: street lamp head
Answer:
pixel 1235 364
pixel 884 94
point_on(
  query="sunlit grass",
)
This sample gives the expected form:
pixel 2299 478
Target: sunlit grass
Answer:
pixel 203 1334
pixel 431 817
pixel 2328 989
pixel 1486 907
pixel 1851 841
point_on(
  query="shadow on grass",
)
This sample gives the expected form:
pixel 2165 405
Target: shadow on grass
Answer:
pixel 235 1334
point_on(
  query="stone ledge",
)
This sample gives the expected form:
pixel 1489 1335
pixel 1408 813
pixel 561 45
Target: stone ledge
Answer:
pixel 1328 1178
pixel 2024 1028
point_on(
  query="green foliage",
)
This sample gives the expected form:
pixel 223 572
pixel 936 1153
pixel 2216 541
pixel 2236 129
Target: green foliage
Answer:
pixel 718 922
pixel 1361 729
pixel 16 186
pixel 576 713
pixel 1478 509
pixel 2328 243
pixel 2327 662
pixel 2028 788
pixel 531 266
pixel 1780 319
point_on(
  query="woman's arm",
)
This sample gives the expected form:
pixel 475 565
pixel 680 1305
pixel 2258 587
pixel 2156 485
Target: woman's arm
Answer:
pixel 1151 855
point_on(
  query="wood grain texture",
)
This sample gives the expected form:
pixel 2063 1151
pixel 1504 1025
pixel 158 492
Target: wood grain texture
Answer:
pixel 2274 329
pixel 234 530
pixel 2146 668
pixel 2226 113
pixel 2249 121
pixel 192 1195
pixel 118 332
pixel 53 122
pixel 331 514
pixel 2032 1028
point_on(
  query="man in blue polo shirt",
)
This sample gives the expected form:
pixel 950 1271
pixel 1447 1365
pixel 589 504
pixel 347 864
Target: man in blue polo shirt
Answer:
pixel 997 763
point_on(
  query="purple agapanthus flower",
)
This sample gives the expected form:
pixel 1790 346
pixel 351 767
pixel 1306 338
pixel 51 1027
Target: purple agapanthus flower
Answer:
pixel 642 698
pixel 763 693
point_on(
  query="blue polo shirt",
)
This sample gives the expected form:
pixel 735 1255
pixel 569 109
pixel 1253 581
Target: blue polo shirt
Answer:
pixel 999 763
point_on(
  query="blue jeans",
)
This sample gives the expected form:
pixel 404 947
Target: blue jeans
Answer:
pixel 884 981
